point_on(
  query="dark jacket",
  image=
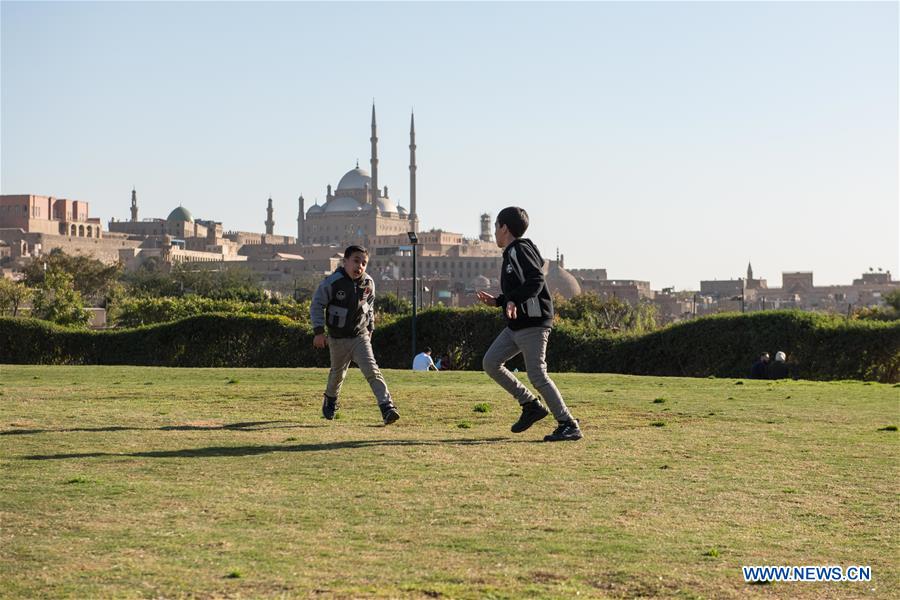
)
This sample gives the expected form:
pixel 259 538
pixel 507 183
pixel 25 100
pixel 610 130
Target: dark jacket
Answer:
pixel 522 282
pixel 759 370
pixel 778 370
pixel 344 306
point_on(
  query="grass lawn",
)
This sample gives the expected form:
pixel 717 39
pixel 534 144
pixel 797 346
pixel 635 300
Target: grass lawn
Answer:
pixel 137 482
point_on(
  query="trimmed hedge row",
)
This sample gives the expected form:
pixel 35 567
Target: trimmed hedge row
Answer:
pixel 818 346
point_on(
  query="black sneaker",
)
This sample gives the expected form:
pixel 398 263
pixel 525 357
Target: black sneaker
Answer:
pixel 388 413
pixel 532 412
pixel 565 432
pixel 329 407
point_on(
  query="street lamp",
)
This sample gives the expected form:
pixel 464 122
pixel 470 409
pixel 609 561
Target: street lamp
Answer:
pixel 414 240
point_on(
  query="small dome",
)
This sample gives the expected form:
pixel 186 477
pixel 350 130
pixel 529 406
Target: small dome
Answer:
pixel 315 209
pixel 402 210
pixel 386 205
pixel 342 204
pixel 560 281
pixel 180 215
pixel 355 179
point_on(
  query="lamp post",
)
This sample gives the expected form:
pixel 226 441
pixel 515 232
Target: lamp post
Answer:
pixel 414 240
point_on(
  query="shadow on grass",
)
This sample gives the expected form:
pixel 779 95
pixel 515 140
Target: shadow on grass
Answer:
pixel 249 426
pixel 218 451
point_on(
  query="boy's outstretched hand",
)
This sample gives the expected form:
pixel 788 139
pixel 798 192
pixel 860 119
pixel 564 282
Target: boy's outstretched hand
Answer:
pixel 492 301
pixel 486 298
pixel 320 341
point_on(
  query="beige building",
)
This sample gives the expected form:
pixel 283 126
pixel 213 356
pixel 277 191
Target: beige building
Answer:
pixel 31 225
pixel 46 214
pixel 358 210
pixel 797 291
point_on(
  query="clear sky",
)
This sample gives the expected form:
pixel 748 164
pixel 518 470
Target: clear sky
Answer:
pixel 669 142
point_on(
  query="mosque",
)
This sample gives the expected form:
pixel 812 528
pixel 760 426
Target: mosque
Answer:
pixel 358 211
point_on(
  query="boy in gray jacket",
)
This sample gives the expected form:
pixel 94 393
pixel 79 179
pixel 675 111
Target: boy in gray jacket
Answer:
pixel 343 303
pixel 528 309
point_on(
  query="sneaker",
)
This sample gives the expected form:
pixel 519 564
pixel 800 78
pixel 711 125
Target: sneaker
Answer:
pixel 388 413
pixel 568 431
pixel 532 412
pixel 329 407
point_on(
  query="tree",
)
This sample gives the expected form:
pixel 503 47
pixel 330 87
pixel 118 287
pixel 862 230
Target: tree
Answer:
pixel 93 279
pixel 230 283
pixel 593 312
pixel 150 280
pixel 57 300
pixel 892 299
pixel 12 296
pixel 304 286
pixel 390 303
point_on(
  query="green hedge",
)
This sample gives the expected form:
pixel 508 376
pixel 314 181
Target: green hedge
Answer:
pixel 134 312
pixel 818 346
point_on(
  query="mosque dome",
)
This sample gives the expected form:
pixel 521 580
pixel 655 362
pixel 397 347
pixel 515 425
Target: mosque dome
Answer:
pixel 402 210
pixel 342 204
pixel 559 281
pixel 386 205
pixel 315 209
pixel 355 179
pixel 180 215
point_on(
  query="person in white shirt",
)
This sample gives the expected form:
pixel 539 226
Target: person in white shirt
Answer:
pixel 423 362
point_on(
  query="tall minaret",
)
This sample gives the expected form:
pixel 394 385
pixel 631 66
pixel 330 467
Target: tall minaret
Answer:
pixel 270 223
pixel 485 228
pixel 133 206
pixel 374 160
pixel 413 217
pixel 300 221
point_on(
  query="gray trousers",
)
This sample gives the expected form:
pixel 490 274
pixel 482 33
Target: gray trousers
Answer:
pixel 359 350
pixel 532 343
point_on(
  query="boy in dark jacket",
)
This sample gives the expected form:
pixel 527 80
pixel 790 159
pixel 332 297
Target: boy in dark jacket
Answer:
pixel 528 309
pixel 344 304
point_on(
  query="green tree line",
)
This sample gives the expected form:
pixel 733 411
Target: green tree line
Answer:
pixel 57 287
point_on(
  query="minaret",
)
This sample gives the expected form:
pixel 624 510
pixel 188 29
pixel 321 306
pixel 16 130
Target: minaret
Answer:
pixel 749 272
pixel 300 221
pixel 374 160
pixel 413 217
pixel 270 223
pixel 134 217
pixel 485 228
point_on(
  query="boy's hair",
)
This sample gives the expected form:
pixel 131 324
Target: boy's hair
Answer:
pixel 427 350
pixel 352 249
pixel 515 219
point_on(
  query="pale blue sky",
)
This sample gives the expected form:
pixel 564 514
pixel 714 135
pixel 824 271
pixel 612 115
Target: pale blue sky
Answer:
pixel 668 142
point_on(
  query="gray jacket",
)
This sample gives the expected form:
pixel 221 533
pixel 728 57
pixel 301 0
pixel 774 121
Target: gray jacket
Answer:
pixel 343 306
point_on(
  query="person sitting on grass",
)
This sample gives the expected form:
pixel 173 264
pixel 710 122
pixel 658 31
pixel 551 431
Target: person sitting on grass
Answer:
pixel 344 304
pixel 760 367
pixel 779 369
pixel 423 361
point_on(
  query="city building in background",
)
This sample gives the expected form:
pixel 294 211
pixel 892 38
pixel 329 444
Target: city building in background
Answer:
pixel 360 210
